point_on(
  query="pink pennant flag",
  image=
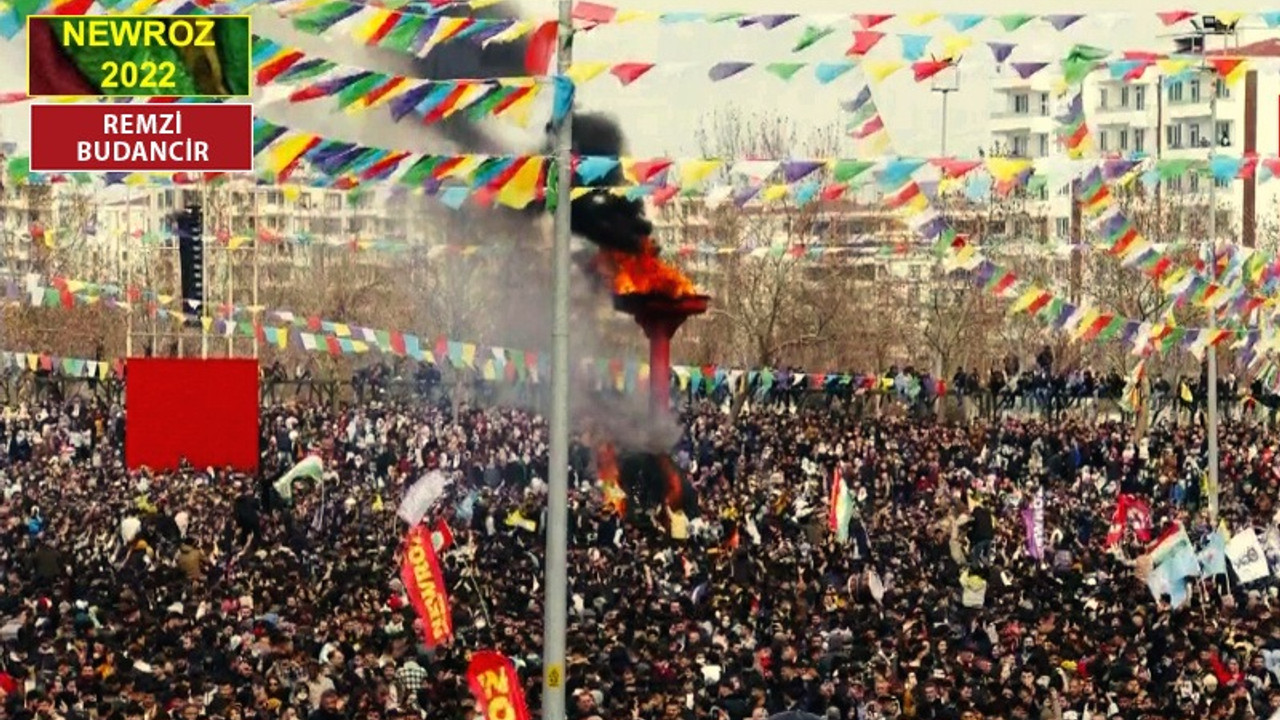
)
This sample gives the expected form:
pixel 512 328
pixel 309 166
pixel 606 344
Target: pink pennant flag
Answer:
pixel 628 73
pixel 925 69
pixel 1173 17
pixel 869 21
pixel 863 41
pixel 594 13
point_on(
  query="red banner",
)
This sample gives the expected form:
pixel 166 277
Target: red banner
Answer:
pixel 496 687
pixel 423 580
pixel 173 137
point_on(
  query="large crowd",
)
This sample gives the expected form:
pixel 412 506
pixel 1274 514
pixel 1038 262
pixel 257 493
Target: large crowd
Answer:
pixel 199 595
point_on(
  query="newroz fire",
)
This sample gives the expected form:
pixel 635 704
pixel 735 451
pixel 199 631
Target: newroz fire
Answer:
pixel 642 273
pixel 660 297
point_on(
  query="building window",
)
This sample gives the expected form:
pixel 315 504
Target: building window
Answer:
pixel 1193 183
pixel 1140 98
pixel 1193 134
pixel 1124 97
pixel 1042 145
pixel 1221 183
pixel 1122 141
pixel 1021 104
pixel 1194 90
pixel 332 202
pixel 1173 136
pixel 1220 87
pixel 1175 184
pixel 1044 104
pixel 1222 133
pixel 1175 92
pixel 1102 99
pixel 1020 146
pixel 1062 228
pixel 1139 139
pixel 1102 141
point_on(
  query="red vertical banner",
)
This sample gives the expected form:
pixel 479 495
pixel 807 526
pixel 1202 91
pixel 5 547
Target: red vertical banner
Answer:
pixel 424 582
pixel 496 687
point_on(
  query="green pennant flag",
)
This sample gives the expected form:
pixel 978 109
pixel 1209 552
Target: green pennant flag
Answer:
pixel 19 170
pixel 1013 21
pixel 811 35
pixel 784 70
pixel 846 170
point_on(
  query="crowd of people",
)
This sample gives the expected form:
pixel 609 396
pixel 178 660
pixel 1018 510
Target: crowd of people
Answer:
pixel 199 595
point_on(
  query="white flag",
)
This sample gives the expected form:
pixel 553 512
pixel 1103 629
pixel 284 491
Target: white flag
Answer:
pixel 1246 556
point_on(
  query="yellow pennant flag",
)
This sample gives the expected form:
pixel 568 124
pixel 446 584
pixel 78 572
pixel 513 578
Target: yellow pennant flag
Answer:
pixel 774 193
pixel 880 70
pixel 633 15
pixel 291 193
pixel 1006 169
pixel 446 28
pixel 515 32
pixel 376 17
pixel 1026 300
pixel 521 111
pixel 953 45
pixel 522 188
pixel 284 152
pixel 581 73
pixel 921 18
pixel 206 322
pixel 693 172
pixel 578 192
pixel 469 354
pixel 1172 66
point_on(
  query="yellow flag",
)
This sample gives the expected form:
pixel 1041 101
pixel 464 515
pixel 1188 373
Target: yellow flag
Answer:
pixel 632 15
pixel 579 192
pixel 921 18
pixel 376 17
pixel 521 111
pixel 284 152
pixel 469 354
pixel 953 45
pixel 581 73
pixel 774 193
pixel 291 192
pixel 1025 301
pixel 522 188
pixel 693 172
pixel 880 70
pixel 1006 169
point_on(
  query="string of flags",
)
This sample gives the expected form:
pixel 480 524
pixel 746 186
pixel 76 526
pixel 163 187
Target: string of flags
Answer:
pixel 1080 321
pixel 404 30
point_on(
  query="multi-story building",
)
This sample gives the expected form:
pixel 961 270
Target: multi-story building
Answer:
pixel 1162 117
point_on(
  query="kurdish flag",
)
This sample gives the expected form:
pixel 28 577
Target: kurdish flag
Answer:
pixel 840 507
pixel 64 63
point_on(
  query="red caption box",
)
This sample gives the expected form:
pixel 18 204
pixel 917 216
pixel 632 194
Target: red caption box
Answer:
pixel 137 138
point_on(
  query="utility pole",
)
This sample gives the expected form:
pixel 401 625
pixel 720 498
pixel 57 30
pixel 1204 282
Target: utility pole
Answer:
pixel 555 597
pixel 945 86
pixel 1210 25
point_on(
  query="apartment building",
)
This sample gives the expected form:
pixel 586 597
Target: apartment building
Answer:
pixel 1164 117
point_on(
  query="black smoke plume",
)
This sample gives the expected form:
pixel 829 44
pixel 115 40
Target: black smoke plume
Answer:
pixel 601 217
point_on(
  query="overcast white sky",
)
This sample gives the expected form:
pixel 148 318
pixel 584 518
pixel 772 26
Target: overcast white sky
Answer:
pixel 662 112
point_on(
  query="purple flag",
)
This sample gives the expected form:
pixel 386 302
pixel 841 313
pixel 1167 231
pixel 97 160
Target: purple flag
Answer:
pixel 725 70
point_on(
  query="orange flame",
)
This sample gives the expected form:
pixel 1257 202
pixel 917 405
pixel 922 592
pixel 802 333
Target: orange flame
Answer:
pixel 607 469
pixel 674 496
pixel 643 273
